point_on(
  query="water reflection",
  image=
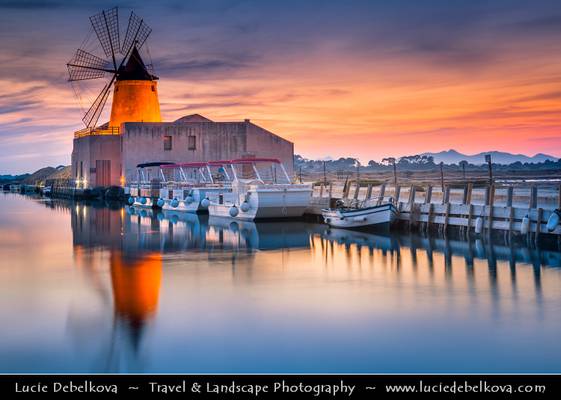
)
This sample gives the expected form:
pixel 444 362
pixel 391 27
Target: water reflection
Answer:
pixel 179 292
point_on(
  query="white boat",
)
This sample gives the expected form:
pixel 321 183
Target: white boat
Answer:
pixel 145 191
pixel 186 187
pixel 46 190
pixel 260 189
pixel 359 217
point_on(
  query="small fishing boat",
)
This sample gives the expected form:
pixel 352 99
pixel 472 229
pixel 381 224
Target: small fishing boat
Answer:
pixel 366 214
pixel 260 189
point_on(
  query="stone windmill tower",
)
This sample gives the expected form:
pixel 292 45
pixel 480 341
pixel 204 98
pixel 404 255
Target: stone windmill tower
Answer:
pixel 96 158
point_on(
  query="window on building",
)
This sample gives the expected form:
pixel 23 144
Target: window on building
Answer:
pixel 192 143
pixel 167 142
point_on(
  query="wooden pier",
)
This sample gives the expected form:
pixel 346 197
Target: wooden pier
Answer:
pixel 462 205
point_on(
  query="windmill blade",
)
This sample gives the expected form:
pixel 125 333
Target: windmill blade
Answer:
pixel 137 32
pixel 106 27
pixel 92 116
pixel 85 65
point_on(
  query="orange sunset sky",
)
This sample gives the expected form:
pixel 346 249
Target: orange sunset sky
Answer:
pixel 366 79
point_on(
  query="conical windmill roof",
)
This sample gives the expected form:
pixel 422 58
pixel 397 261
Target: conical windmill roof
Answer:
pixel 134 69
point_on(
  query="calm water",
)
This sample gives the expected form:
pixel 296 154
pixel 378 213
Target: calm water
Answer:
pixel 89 288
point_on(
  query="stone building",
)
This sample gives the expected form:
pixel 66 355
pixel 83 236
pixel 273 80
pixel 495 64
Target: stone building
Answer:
pixel 196 138
pixel 108 154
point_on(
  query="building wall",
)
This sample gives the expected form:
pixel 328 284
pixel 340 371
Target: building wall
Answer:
pixel 144 142
pixel 89 149
pixel 262 143
pixel 213 141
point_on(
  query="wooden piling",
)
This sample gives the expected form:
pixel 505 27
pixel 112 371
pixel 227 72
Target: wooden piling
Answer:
pixel 469 192
pixel 382 193
pixel 397 193
pixel 412 193
pixel 446 195
pixel 539 222
pixel 470 217
pixel 346 189
pixel 534 197
pixel 357 190
pixel 491 205
pixel 428 196
pixel 446 216
pixel 369 192
pixel 509 196
pixel 429 216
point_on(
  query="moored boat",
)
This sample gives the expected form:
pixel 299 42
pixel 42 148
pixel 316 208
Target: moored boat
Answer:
pixel 360 217
pixel 183 187
pixel 260 189
pixel 145 191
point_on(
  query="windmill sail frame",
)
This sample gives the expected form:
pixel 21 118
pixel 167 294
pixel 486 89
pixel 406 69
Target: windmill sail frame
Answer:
pixel 87 66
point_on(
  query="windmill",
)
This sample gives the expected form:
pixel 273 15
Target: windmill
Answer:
pixel 121 62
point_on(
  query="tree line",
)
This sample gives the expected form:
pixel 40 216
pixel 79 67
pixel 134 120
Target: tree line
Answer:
pixel 413 163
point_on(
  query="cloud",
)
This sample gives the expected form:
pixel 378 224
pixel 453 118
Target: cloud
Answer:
pixel 186 66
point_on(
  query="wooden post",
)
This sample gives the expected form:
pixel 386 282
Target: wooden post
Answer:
pixel 412 193
pixel 491 204
pixel 464 197
pixel 330 191
pixel 397 193
pixel 446 195
pixel 428 197
pixel 369 192
pixel 442 176
pixel 538 225
pixel 429 216
pixel 346 189
pixel 509 196
pixel 446 217
pixel 357 190
pixel 510 218
pixel 321 190
pixel 382 193
pixel 469 191
pixel 470 217
pixel 539 222
pixel 534 197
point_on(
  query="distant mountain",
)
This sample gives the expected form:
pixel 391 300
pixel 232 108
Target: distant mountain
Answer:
pixel 498 157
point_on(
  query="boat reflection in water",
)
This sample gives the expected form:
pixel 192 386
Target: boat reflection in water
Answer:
pixel 179 231
pixel 165 291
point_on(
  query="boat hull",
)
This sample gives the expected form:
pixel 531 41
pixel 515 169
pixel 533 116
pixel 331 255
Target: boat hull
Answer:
pixel 377 216
pixel 263 203
pixel 188 200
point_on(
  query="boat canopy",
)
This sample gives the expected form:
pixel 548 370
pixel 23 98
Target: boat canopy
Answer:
pixel 261 170
pixel 186 165
pixel 218 163
pixel 255 160
pixel 154 164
